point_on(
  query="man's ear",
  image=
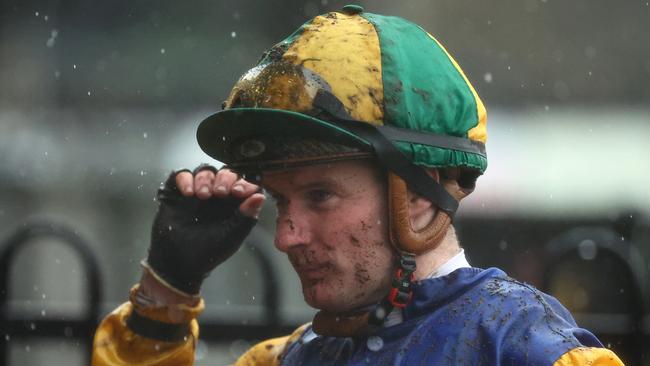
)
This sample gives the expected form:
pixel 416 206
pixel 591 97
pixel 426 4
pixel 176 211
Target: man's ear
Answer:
pixel 421 210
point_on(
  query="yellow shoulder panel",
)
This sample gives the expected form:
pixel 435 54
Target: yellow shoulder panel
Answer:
pixel 269 352
pixel 117 345
pixel 589 356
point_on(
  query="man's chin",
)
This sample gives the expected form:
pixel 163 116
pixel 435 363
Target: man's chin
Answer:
pixel 319 298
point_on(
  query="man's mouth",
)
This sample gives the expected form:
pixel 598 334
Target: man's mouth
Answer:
pixel 308 266
pixel 313 271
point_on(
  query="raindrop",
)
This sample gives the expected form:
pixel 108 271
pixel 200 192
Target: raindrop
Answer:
pixel 57 74
pixel 587 249
pixel 46 18
pixel 7 337
pixel 487 77
pixel 169 228
pixel 622 290
pixel 143 173
pixel 27 349
pixel 162 51
pixel 546 108
pixel 375 343
pixel 253 297
pixel 74 66
pixel 43 296
pixel 45 153
pixel 233 34
pixel 43 312
pixel 145 135
pixel 32 326
pixel 589 73
pixel 88 92
pixel 236 15
pixel 503 245
pixel 509 67
pixel 156 347
pixel 52 40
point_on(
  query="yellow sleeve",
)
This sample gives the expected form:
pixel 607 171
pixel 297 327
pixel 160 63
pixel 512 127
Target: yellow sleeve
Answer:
pixel 116 345
pixel 269 352
pixel 589 356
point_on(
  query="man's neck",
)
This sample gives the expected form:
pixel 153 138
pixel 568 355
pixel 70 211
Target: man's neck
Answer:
pixel 430 261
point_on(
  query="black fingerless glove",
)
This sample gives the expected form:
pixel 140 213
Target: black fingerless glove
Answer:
pixel 190 237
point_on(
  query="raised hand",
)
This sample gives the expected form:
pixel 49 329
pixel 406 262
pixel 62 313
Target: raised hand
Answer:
pixel 203 218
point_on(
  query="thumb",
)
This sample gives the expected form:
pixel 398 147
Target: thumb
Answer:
pixel 252 205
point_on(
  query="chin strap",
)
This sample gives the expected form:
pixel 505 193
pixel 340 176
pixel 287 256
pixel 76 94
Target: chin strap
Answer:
pixel 367 322
pixel 400 293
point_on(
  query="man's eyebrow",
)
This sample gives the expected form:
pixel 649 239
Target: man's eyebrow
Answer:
pixel 319 183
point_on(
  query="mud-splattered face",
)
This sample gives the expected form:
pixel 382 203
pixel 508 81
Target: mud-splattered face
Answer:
pixel 332 223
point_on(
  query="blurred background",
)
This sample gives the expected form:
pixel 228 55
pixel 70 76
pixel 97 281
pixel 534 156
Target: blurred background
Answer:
pixel 99 100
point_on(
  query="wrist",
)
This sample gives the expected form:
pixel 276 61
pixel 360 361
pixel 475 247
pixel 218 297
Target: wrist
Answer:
pixel 156 290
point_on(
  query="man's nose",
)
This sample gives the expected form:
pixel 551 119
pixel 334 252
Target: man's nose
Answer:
pixel 291 230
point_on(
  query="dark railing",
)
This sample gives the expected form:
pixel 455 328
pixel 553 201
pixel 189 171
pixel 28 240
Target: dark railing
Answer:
pixel 17 325
pixel 570 246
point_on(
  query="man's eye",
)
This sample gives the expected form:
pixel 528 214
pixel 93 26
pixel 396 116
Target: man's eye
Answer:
pixel 319 195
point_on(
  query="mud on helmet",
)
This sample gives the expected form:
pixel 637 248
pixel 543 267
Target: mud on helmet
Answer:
pixel 351 85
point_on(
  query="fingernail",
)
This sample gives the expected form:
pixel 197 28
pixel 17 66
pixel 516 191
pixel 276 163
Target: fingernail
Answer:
pixel 221 189
pixel 204 189
pixel 188 189
pixel 238 188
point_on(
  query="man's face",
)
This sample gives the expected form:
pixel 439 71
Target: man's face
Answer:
pixel 332 224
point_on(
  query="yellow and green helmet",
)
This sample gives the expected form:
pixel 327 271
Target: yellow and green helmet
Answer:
pixel 349 84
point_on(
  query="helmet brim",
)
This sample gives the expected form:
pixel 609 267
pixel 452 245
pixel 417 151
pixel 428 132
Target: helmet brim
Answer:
pixel 219 134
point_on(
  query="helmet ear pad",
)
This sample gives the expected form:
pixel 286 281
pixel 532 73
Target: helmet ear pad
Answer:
pixel 402 235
